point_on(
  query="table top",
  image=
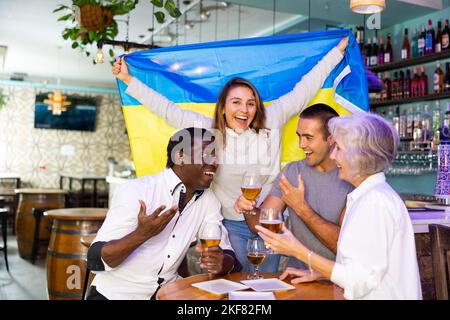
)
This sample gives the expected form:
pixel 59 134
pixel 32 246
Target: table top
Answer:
pixel 87 240
pixel 77 214
pixel 183 289
pixel 40 191
pixel 7 192
pixel 83 176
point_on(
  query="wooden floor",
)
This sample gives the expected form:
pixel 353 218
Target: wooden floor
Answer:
pixel 25 281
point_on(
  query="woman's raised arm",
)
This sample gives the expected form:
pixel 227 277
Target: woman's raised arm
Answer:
pixel 157 103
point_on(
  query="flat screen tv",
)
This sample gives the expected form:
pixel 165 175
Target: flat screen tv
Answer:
pixel 80 115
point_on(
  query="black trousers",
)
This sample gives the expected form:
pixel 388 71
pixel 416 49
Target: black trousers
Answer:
pixel 95 295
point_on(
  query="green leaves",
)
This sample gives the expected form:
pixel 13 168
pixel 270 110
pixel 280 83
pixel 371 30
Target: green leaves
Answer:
pixel 61 7
pixel 66 17
pixel 158 3
pixel 160 16
pixel 122 7
pixel 75 45
pixel 171 7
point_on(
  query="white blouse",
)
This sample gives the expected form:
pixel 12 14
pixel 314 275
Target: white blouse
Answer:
pixel 376 254
pixel 249 149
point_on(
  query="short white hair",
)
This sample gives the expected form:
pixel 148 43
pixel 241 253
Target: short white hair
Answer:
pixel 370 142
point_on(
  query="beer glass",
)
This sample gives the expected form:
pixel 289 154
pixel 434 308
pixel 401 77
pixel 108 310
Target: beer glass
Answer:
pixel 272 219
pixel 251 186
pixel 256 253
pixel 210 235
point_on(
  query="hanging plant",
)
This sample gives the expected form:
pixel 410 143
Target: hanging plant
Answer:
pixel 93 20
pixel 2 100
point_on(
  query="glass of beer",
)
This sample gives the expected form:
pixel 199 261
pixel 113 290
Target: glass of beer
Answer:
pixel 256 253
pixel 272 219
pixel 251 186
pixel 210 235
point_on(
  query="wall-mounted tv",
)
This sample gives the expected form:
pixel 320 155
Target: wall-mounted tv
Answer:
pixel 80 115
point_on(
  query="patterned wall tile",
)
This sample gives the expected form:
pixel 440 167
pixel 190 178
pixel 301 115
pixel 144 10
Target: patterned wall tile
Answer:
pixel 36 153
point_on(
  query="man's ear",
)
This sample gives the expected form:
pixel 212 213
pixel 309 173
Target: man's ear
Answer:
pixel 179 159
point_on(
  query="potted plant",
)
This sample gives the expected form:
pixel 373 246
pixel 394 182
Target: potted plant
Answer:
pixel 93 20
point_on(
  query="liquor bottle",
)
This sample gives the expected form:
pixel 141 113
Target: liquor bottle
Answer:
pixel 421 42
pixel 403 125
pixel 447 77
pixel 418 130
pixel 381 52
pixel 360 40
pixel 410 123
pixel 445 128
pixel 438 39
pixel 388 56
pixel 423 83
pixel 406 49
pixel 387 86
pixel 427 124
pixel 368 52
pixel 395 86
pixel 429 40
pixel 414 44
pixel 401 85
pixel 396 120
pixel 374 56
pixel 436 126
pixel 407 88
pixel 438 79
pixel 445 37
pixel 415 83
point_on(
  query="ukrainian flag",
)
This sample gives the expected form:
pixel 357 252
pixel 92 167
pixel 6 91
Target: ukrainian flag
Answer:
pixel 193 76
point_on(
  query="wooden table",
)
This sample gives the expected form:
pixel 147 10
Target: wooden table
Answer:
pixel 66 254
pixel 27 224
pixel 183 289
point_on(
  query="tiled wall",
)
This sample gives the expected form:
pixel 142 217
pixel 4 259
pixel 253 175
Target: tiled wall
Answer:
pixel 36 155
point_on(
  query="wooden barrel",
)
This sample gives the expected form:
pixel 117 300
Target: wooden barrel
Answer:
pixel 66 258
pixel 25 221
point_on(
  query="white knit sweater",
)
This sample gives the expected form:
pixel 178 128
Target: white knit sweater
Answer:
pixel 249 149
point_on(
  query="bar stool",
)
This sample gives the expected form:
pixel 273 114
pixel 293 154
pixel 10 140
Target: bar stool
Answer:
pixel 4 220
pixel 38 213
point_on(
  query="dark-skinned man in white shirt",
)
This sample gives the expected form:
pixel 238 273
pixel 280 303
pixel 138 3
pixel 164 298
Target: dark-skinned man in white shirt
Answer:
pixel 140 246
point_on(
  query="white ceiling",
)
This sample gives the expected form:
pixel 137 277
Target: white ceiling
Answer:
pixel 33 36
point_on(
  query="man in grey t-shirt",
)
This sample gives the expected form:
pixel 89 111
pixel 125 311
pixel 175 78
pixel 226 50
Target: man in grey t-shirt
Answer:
pixel 311 188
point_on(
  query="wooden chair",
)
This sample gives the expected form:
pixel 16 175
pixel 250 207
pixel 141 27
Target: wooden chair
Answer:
pixel 440 253
pixel 4 220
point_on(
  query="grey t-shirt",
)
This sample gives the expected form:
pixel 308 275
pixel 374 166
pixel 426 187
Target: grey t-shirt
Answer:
pixel 326 194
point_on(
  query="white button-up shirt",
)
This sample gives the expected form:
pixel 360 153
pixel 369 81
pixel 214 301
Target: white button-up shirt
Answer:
pixel 376 254
pixel 160 256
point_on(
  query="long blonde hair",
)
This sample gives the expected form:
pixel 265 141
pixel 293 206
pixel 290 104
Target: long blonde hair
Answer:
pixel 258 123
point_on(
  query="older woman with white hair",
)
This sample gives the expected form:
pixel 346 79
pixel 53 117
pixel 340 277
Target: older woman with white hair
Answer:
pixel 376 254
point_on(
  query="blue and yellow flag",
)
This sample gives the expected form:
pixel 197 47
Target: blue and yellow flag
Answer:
pixel 193 76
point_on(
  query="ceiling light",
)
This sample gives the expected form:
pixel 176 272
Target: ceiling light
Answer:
pixel 367 6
